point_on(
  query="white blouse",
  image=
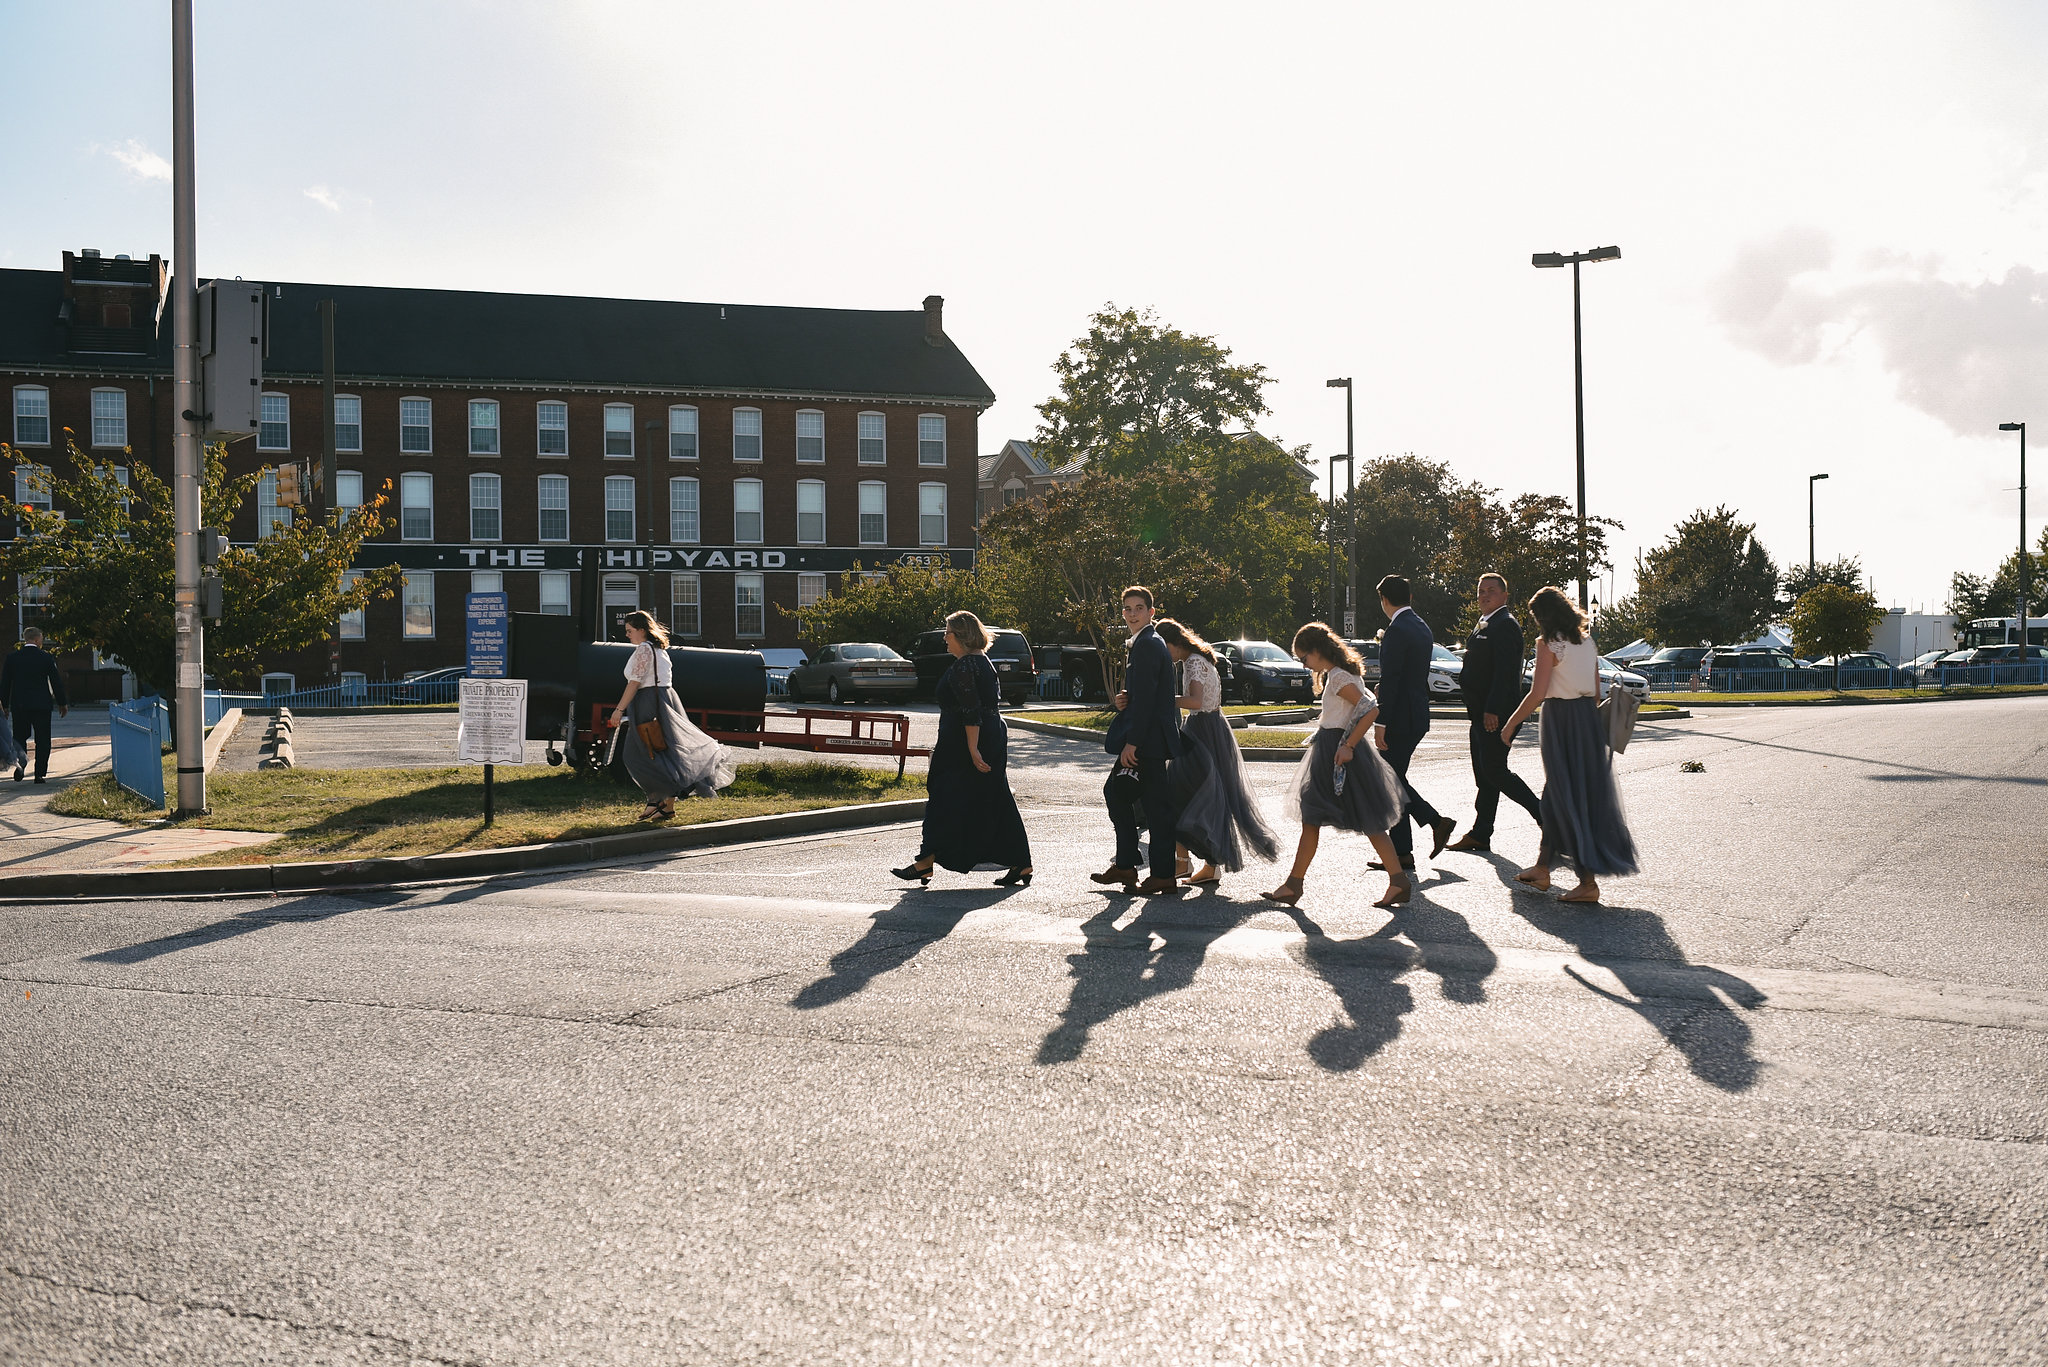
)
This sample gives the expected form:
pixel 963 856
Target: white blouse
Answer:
pixel 1574 669
pixel 1337 709
pixel 1200 685
pixel 648 667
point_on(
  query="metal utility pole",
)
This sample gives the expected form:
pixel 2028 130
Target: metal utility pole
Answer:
pixel 1811 480
pixel 330 497
pixel 1552 260
pixel 2021 428
pixel 189 629
pixel 1349 625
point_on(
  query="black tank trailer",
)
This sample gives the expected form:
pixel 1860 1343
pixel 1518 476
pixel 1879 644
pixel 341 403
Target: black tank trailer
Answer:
pixel 567 677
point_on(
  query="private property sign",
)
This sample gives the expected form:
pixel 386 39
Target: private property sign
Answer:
pixel 812 559
pixel 493 726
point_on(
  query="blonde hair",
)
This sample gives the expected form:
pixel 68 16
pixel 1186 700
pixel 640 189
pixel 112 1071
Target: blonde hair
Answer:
pixel 654 630
pixel 968 630
pixel 1317 639
pixel 1174 634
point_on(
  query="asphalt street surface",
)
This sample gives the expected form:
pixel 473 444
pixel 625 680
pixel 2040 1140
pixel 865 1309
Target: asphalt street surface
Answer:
pixel 1783 1101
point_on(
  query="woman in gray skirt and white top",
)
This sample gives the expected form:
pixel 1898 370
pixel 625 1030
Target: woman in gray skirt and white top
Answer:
pixel 1582 816
pixel 1222 817
pixel 691 764
pixel 1368 800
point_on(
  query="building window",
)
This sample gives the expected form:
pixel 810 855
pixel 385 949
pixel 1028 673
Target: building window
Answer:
pixel 931 514
pixel 810 436
pixel 554 507
pixel 419 605
pixel 121 478
pixel 487 581
pixel 931 439
pixel 554 592
pixel 486 509
pixel 809 589
pixel 416 426
pixel 354 625
pixel 270 519
pixel 874 514
pixel 746 511
pixel 483 427
pixel 31 416
pixel 810 512
pixel 874 441
pixel 110 417
pixel 618 429
pixel 416 507
pixel 749 606
pixel 682 433
pixel 348 423
pixel 348 491
pixel 274 429
pixel 618 508
pixel 1013 492
pixel 35 594
pixel 746 434
pixel 32 486
pixel 552 417
pixel 682 510
pixel 685 605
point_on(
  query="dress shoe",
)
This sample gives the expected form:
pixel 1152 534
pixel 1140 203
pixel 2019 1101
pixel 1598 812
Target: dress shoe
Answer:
pixel 1407 865
pixel 18 772
pixel 1468 844
pixel 1159 887
pixel 1116 875
pixel 1443 826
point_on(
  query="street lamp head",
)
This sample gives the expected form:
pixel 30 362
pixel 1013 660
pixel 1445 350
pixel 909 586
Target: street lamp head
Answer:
pixel 1546 259
pixel 1811 478
pixel 1337 384
pixel 2012 427
pixel 1604 254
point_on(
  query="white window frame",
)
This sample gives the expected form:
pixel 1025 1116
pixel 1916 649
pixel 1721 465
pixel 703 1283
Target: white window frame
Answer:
pixel 120 437
pixel 1014 491
pixel 810 588
pixel 423 580
pixel 497 488
pixel 354 626
pixel 541 410
pixel 341 478
pixel 26 477
pixel 881 496
pixel 923 538
pixel 740 584
pixel 610 431
pixel 427 426
pixel 760 512
pixel 487 581
pixel 690 532
pixel 566 604
pixel 540 499
pixel 631 510
pixel 923 441
pixel 340 445
pixel 263 423
pixel 495 428
pixel 810 417
pixel 270 518
pixel 686 591
pixel 22 391
pixel 815 488
pixel 861 439
pixel 684 421
pixel 742 417
pixel 403 506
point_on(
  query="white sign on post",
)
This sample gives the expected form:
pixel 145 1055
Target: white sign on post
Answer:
pixel 493 727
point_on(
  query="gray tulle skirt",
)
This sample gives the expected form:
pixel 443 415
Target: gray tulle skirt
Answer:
pixel 1371 800
pixel 1583 822
pixel 694 765
pixel 10 753
pixel 1222 817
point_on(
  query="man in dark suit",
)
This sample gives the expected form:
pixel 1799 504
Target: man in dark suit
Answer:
pixel 1144 737
pixel 1492 683
pixel 1405 651
pixel 30 687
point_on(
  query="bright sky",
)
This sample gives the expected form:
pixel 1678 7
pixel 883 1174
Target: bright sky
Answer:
pixel 1830 215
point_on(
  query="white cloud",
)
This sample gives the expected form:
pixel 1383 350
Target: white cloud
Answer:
pixel 323 197
pixel 139 161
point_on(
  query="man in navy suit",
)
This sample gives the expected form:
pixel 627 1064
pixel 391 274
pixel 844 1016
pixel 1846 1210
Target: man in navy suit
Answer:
pixel 1492 685
pixel 1144 737
pixel 1405 651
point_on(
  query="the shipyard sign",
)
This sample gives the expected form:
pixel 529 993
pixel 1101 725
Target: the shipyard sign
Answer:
pixel 812 559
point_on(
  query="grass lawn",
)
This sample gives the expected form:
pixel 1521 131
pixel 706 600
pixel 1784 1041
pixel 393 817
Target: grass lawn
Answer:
pixel 1099 718
pixel 1893 695
pixel 1270 738
pixel 360 813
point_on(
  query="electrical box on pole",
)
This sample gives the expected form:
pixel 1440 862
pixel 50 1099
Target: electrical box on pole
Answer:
pixel 234 337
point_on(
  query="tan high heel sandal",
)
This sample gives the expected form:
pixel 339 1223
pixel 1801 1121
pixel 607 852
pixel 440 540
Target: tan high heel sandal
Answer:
pixel 1287 894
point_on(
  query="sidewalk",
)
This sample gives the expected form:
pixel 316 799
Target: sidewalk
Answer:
pixel 35 840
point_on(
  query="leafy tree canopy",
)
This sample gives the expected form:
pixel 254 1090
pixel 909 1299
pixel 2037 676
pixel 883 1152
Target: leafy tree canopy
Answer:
pixel 1833 619
pixel 1711 581
pixel 1847 571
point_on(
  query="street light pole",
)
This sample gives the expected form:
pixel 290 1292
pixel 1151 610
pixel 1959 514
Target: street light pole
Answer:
pixel 1811 480
pixel 189 631
pixel 2021 428
pixel 1349 621
pixel 1551 260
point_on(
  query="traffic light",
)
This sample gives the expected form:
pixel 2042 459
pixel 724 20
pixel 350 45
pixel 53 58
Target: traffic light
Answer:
pixel 211 544
pixel 288 486
pixel 209 597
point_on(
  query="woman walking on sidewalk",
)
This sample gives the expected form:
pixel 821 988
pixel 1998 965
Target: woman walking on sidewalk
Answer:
pixel 1338 783
pixel 1582 817
pixel 970 814
pixel 686 762
pixel 1221 816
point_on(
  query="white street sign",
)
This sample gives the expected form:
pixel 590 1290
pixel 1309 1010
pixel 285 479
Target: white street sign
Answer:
pixel 493 728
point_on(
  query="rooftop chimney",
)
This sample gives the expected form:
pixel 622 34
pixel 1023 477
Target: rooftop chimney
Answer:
pixel 934 320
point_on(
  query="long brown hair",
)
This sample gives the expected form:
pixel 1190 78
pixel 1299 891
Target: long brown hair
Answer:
pixel 1174 634
pixel 1558 615
pixel 1317 638
pixel 654 629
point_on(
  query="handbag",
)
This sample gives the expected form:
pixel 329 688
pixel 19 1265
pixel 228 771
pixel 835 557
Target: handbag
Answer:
pixel 1618 710
pixel 652 736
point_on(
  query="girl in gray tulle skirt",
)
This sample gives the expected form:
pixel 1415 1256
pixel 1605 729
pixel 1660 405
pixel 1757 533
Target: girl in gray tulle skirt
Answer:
pixel 689 763
pixel 1221 819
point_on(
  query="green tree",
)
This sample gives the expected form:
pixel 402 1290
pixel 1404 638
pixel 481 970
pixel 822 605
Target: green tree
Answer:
pixel 891 607
pixel 1532 541
pixel 105 550
pixel 1711 581
pixel 1969 597
pixel 1847 571
pixel 1833 619
pixel 1621 622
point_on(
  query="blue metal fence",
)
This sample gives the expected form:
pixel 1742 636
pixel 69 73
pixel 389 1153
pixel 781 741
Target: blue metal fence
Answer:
pixel 1823 677
pixel 139 730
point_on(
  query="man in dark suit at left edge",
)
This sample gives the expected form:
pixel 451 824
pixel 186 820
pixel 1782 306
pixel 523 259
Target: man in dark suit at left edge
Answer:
pixel 30 687
pixel 1144 737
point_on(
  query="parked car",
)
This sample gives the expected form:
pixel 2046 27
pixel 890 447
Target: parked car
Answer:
pixel 1860 659
pixel 1008 651
pixel 1751 658
pixel 1369 651
pixel 1924 666
pixel 431 685
pixel 1265 673
pixel 1446 673
pixel 1611 676
pixel 1674 659
pixel 780 660
pixel 852 671
pixel 2009 655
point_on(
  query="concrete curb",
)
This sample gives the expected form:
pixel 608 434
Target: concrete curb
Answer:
pixel 434 868
pixel 218 737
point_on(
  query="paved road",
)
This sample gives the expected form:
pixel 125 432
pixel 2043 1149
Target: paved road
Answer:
pixel 1782 1103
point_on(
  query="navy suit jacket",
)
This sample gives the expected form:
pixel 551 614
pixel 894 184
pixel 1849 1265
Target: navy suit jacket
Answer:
pixel 1404 679
pixel 30 682
pixel 1492 680
pixel 1151 716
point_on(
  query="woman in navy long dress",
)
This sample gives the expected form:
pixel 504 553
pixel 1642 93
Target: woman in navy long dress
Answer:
pixel 970 814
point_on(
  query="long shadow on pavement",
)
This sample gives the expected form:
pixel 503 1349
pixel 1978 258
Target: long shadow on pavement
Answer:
pixel 893 938
pixel 1368 987
pixel 294 912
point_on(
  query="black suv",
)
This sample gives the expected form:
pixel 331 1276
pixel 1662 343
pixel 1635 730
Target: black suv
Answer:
pixel 1008 651
pixel 1263 671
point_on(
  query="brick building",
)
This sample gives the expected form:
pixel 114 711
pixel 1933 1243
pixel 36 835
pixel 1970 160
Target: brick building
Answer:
pixel 721 460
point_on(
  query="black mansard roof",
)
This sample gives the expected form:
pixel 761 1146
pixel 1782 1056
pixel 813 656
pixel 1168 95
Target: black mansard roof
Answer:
pixel 472 337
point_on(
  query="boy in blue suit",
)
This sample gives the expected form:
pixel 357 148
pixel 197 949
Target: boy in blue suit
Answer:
pixel 1144 737
pixel 1405 652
